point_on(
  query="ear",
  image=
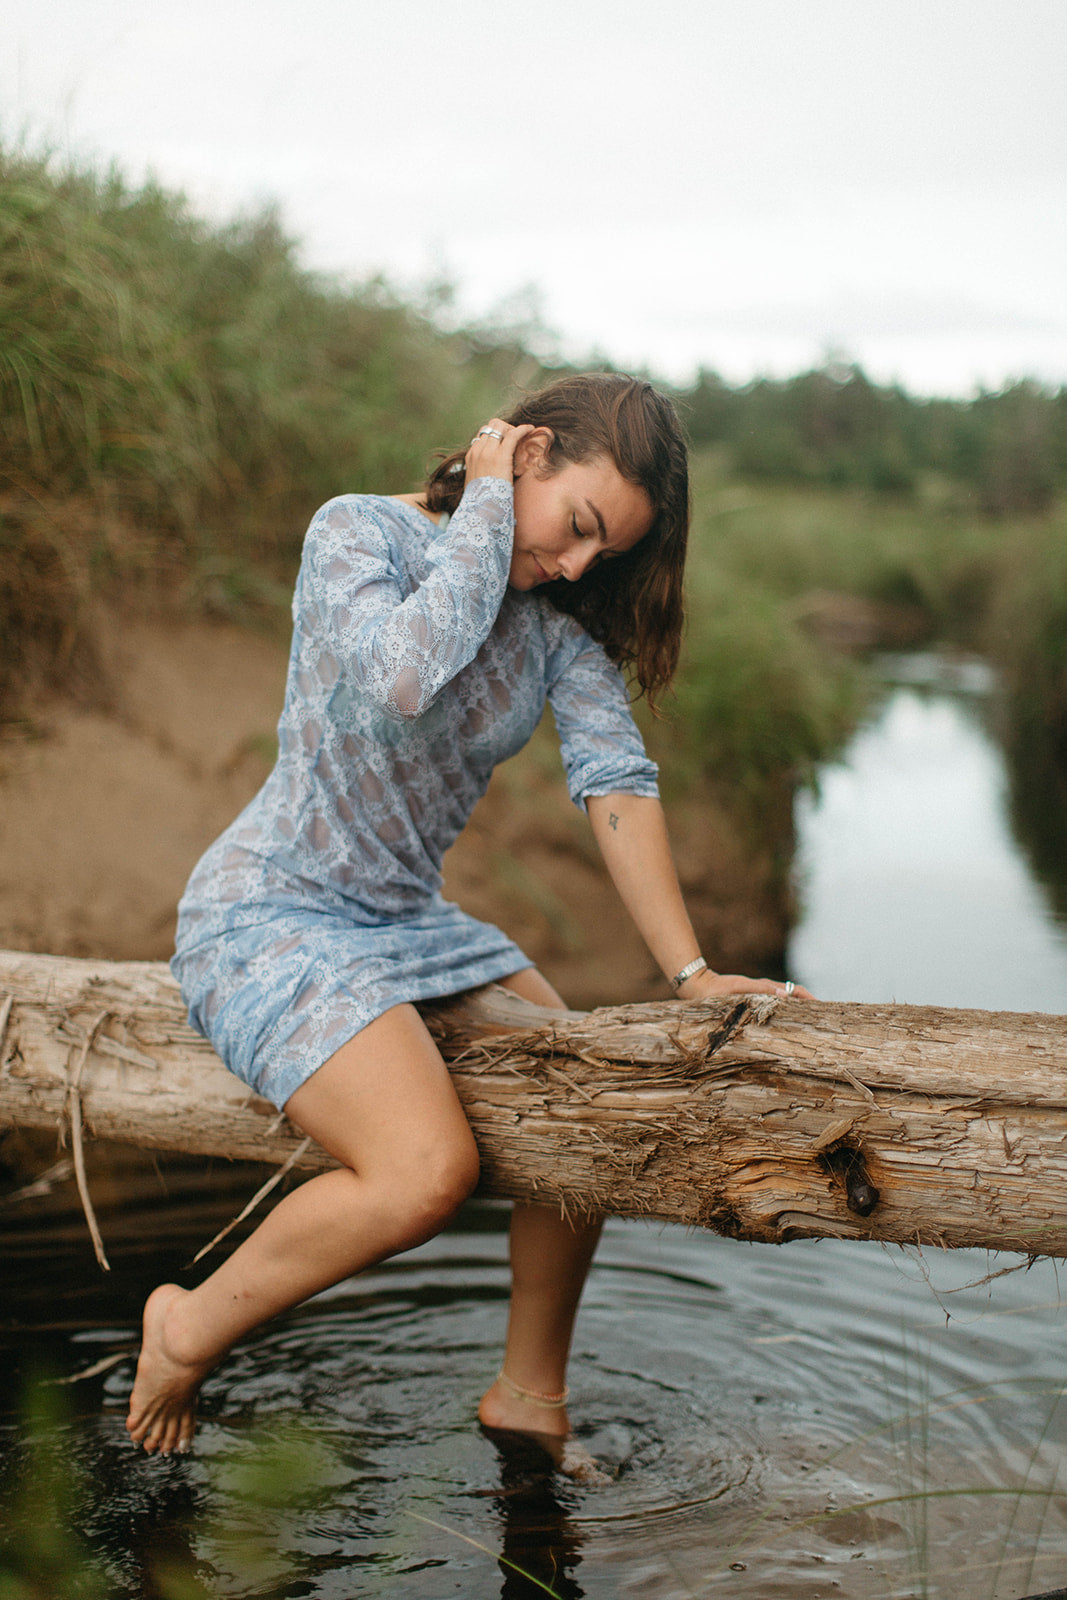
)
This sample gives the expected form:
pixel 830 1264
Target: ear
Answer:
pixel 531 452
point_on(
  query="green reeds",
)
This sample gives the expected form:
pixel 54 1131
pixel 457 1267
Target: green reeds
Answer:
pixel 177 397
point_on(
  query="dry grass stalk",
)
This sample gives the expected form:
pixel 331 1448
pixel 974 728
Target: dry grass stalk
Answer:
pixel 74 1122
pixel 261 1194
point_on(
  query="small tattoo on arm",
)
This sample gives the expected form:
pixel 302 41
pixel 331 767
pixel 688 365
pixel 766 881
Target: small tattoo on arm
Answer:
pixel 613 822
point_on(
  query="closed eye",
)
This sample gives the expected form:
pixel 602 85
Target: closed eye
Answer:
pixel 601 555
pixel 584 533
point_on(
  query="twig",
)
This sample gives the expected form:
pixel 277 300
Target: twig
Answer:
pixel 5 1015
pixel 70 1033
pixel 105 1364
pixel 74 1118
pixel 575 1087
pixel 43 1184
pixel 858 1084
pixel 259 1195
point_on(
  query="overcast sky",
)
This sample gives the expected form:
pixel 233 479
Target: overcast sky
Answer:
pixel 741 184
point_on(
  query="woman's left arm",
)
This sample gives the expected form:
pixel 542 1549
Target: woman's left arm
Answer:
pixel 631 832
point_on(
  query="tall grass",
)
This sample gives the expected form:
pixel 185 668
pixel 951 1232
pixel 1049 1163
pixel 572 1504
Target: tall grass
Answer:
pixel 788 542
pixel 97 385
pixel 198 373
pixel 190 393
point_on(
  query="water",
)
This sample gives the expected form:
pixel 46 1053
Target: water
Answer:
pixel 914 884
pixel 821 1419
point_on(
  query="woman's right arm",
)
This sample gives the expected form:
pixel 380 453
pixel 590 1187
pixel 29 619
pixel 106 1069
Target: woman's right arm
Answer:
pixel 402 648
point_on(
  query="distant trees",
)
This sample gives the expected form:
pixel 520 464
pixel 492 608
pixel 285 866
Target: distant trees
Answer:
pixel 1006 451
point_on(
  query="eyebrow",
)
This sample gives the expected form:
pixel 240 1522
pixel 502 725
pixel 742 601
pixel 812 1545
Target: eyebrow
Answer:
pixel 599 519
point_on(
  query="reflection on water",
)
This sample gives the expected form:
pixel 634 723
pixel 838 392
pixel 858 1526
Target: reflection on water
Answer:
pixel 1037 762
pixel 914 886
pixel 821 1419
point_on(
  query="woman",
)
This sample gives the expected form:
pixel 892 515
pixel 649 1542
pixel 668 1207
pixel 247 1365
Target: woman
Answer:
pixel 428 632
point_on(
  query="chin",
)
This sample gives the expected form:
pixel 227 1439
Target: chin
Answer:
pixel 520 577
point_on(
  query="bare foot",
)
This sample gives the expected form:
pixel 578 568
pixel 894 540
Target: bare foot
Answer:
pixel 163 1403
pixel 502 1409
pixel 549 1427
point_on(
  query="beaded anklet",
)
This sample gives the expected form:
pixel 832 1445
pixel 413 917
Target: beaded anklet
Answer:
pixel 553 1402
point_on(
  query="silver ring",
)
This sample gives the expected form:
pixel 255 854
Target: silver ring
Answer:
pixel 789 987
pixel 492 432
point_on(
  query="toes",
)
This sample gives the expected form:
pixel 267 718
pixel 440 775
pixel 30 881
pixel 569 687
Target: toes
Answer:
pixel 145 1431
pixel 177 1433
pixel 164 1435
pixel 136 1430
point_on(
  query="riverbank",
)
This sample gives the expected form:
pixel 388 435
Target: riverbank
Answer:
pixel 107 801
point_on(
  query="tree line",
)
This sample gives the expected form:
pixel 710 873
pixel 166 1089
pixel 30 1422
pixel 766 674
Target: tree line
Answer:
pixel 1006 450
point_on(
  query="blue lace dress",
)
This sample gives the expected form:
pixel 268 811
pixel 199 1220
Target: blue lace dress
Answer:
pixel 414 670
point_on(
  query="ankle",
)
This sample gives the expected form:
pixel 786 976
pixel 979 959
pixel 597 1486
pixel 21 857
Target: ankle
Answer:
pixel 179 1332
pixel 534 1397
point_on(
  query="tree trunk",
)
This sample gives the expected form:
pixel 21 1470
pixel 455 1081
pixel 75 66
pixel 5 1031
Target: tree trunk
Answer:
pixel 762 1119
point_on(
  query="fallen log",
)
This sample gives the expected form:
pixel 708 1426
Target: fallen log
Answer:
pixel 761 1119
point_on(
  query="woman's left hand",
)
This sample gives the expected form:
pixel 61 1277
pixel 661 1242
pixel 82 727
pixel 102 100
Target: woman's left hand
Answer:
pixel 713 985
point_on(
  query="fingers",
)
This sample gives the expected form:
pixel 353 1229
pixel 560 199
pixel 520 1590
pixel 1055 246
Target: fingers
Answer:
pixel 783 991
pixel 712 985
pixel 492 450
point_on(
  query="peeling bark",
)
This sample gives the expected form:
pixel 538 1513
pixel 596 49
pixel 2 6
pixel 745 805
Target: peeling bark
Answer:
pixel 759 1119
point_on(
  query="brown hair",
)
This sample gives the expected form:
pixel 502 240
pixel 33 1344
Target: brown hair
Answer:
pixel 631 605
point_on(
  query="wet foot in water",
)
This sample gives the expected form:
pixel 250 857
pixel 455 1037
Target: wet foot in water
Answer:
pixel 162 1413
pixel 503 1411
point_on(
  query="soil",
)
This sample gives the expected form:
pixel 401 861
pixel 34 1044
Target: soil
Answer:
pixel 105 807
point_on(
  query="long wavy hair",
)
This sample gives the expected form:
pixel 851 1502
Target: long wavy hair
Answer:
pixel 633 604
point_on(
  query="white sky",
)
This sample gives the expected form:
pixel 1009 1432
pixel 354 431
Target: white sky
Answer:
pixel 744 184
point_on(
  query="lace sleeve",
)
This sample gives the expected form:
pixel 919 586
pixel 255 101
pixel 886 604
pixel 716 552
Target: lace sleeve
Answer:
pixel 402 645
pixel 601 745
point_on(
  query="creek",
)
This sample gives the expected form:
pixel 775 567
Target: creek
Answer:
pixel 914 884
pixel 822 1419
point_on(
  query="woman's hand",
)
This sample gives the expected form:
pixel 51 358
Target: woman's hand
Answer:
pixel 632 834
pixel 492 450
pixel 713 985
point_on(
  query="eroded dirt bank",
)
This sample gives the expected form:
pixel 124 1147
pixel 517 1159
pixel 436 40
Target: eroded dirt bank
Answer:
pixel 104 808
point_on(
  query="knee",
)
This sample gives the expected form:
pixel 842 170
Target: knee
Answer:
pixel 435 1187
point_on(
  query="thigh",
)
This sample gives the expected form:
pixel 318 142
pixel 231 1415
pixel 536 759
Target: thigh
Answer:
pixel 531 985
pixel 385 1100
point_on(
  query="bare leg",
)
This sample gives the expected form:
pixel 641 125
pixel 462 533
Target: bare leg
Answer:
pixel 550 1257
pixel 384 1105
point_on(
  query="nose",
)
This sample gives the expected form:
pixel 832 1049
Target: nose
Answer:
pixel 575 561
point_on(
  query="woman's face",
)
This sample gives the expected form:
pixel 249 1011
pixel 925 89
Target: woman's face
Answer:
pixel 585 513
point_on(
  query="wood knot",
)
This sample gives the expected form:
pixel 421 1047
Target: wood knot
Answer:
pixel 845 1162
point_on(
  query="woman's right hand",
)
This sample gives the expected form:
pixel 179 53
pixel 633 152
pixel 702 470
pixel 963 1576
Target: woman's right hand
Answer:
pixel 492 453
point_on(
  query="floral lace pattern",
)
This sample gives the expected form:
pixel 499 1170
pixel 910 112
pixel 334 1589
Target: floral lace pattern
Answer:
pixel 414 671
